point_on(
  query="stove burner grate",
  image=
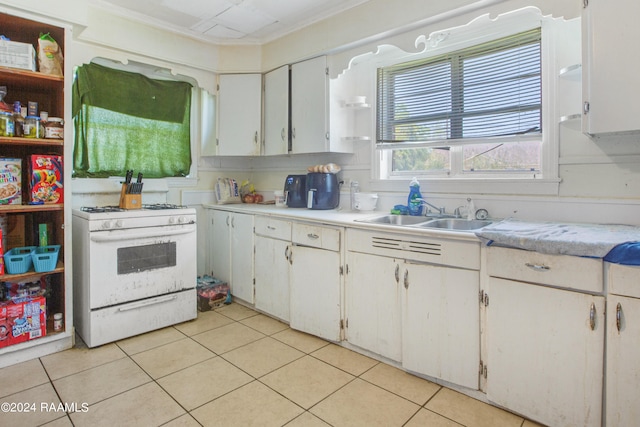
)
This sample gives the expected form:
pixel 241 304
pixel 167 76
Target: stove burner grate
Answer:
pixel 160 206
pixel 100 209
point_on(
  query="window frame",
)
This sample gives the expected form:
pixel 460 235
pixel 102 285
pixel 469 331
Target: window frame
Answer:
pixel 92 185
pixel 477 31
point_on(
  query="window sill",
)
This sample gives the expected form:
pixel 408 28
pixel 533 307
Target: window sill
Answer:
pixel 466 186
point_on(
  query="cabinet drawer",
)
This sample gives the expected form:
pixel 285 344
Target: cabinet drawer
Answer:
pixel 624 280
pixel 316 236
pixel 585 274
pixel 274 228
pixel 427 249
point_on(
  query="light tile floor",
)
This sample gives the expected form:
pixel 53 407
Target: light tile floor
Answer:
pixel 230 367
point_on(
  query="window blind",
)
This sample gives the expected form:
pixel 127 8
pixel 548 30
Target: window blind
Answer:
pixel 485 91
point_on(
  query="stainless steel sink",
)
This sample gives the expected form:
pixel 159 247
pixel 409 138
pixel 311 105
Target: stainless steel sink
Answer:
pixel 395 220
pixel 456 224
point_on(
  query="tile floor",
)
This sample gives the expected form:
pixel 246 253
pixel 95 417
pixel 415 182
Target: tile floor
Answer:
pixel 230 367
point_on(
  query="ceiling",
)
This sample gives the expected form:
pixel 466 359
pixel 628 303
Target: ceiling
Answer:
pixel 228 21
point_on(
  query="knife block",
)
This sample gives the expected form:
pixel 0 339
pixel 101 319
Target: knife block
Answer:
pixel 129 201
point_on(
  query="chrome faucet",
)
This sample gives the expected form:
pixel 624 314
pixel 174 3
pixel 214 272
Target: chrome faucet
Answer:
pixel 423 202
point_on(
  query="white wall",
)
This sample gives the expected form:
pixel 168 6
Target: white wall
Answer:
pixel 600 180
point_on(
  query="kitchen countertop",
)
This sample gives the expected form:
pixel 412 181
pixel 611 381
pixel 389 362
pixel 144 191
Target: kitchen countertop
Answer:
pixel 590 240
pixel 620 242
pixel 341 218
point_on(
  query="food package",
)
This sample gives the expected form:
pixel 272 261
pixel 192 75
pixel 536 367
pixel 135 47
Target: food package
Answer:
pixel 10 181
pixel 50 60
pixel 17 55
pixel 227 191
pixel 211 293
pixel 46 179
pixel 1 254
pixel 22 320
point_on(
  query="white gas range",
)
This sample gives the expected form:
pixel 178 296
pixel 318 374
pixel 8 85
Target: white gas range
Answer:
pixel 134 271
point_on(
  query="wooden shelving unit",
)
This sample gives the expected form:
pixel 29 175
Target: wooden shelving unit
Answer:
pixel 49 92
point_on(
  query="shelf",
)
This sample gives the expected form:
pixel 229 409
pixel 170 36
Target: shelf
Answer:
pixel 24 277
pixel 572 121
pixel 51 207
pixel 572 72
pixel 32 141
pixel 357 138
pixel 357 106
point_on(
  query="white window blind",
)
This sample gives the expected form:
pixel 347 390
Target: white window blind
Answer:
pixel 492 90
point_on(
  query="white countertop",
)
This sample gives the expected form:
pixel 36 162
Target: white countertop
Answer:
pixel 339 217
pixel 593 240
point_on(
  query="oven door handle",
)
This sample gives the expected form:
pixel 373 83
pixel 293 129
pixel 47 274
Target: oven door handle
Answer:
pixel 148 302
pixel 99 237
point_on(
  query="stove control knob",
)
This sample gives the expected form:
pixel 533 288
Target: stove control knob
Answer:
pixel 172 220
pixel 106 225
pixel 182 220
pixel 119 223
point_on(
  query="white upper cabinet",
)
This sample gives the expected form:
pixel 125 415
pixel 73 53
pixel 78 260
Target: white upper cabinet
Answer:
pixel 239 114
pixel 276 111
pixel 310 106
pixel 610 67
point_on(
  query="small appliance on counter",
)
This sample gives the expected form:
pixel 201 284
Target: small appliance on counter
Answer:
pixel 323 191
pixel 295 191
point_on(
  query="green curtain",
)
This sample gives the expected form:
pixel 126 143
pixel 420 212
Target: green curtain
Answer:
pixel 125 120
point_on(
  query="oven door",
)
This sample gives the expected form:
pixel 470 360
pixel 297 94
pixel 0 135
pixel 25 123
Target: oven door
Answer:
pixel 129 265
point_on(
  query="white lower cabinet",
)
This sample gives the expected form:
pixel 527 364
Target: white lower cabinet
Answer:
pixel 273 243
pixel 402 305
pixel 373 296
pixel 315 281
pixel 623 346
pixel 441 323
pixel 545 345
pixel 231 251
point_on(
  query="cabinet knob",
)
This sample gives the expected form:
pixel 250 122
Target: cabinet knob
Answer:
pixel 619 317
pixel 397 273
pixel 406 279
pixel 592 316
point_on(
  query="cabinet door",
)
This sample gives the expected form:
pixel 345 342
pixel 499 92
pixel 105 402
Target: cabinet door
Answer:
pixel 220 256
pixel 610 75
pixel 623 370
pixel 242 257
pixel 309 106
pixel 315 292
pixel 544 360
pixel 373 304
pixel 441 323
pixel 272 277
pixel 276 111
pixel 239 114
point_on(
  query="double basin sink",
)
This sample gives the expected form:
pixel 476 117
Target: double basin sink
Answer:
pixel 452 224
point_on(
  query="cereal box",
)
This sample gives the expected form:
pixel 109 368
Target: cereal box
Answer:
pixel 10 181
pixel 26 320
pixel 46 179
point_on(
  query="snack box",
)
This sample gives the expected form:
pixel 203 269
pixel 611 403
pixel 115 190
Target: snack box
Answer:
pixel 211 293
pixel 17 55
pixel 46 179
pixel 22 320
pixel 10 181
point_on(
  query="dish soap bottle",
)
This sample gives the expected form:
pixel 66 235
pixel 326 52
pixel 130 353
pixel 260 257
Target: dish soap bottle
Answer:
pixel 414 201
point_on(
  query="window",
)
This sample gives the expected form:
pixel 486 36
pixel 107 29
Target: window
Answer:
pixel 473 111
pixel 125 120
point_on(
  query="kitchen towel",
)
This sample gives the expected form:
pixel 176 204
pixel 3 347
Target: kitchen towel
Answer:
pixel 591 240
